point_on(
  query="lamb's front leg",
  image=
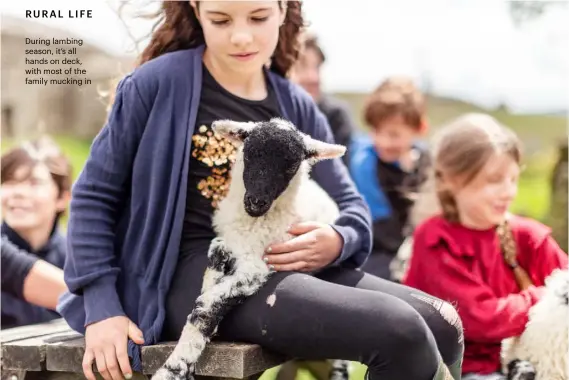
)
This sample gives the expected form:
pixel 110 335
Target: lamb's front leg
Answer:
pixel 220 263
pixel 225 286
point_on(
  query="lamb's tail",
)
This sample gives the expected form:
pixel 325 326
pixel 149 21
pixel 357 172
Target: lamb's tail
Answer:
pixel 181 363
pixel 521 370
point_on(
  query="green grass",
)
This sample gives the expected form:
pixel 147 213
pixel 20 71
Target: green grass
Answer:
pixel 357 373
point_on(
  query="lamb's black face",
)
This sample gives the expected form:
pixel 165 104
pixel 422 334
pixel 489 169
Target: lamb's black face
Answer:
pixel 272 156
pixel 272 153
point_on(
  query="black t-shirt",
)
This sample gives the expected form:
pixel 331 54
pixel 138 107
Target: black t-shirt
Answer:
pixel 212 156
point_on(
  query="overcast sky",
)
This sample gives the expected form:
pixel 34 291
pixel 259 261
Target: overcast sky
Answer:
pixel 469 49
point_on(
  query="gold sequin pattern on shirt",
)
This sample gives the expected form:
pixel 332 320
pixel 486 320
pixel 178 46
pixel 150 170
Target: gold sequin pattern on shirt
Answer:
pixel 218 153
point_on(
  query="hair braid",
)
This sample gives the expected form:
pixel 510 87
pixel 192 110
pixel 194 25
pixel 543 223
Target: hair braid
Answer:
pixel 509 252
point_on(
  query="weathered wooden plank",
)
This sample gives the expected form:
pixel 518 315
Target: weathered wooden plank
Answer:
pixel 219 359
pixel 66 356
pixel 229 360
pixel 55 347
pixel 26 354
pixel 32 331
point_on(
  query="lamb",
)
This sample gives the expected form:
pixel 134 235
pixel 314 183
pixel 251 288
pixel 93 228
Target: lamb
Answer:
pixel 541 351
pixel 270 189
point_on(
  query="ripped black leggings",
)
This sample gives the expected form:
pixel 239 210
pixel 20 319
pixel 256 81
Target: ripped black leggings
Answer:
pixel 396 331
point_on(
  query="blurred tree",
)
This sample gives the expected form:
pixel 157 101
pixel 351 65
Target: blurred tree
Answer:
pixel 523 11
pixel 557 217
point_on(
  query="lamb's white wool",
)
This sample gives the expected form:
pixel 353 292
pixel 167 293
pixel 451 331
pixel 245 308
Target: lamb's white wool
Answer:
pixel 236 268
pixel 303 200
pixel 544 342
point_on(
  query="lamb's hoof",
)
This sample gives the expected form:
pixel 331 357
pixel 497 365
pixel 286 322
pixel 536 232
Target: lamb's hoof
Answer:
pixel 521 370
pixel 180 371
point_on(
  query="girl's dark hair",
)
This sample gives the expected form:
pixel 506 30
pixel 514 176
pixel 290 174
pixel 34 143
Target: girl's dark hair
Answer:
pixel 178 28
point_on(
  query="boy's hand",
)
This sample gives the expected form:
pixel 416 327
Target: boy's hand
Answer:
pixel 315 246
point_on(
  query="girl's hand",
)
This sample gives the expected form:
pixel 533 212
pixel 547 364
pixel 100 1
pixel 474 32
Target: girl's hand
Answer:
pixel 315 246
pixel 106 344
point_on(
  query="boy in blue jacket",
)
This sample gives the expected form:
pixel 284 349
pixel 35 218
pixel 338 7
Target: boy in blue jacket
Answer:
pixel 389 166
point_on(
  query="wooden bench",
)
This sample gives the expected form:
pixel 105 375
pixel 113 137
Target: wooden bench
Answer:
pixel 53 351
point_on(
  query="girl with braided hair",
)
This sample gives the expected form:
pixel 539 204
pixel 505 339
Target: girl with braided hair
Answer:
pixel 473 253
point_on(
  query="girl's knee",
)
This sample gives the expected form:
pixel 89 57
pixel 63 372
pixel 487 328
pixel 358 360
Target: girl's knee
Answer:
pixel 447 328
pixel 410 351
pixel 412 332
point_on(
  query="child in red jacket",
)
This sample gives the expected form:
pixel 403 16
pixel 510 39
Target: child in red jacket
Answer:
pixel 488 263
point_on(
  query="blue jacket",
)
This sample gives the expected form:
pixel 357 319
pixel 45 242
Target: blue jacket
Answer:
pixel 128 202
pixel 363 168
pixel 16 311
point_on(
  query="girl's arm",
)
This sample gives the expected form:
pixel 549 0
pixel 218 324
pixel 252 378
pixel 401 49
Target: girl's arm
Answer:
pixel 27 277
pixel 44 284
pixel 98 197
pixel 485 317
pixel 16 266
pixel 354 223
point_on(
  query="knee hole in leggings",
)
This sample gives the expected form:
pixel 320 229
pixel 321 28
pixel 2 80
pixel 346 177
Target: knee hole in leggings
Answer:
pixel 446 310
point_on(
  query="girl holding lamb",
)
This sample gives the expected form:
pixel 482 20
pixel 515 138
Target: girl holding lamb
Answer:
pixel 490 264
pixel 140 221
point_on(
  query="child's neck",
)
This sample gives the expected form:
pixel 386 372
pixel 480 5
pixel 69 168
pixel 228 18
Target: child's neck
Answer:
pixel 251 87
pixel 37 238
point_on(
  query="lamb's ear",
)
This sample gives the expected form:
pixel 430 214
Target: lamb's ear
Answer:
pixel 319 150
pixel 234 130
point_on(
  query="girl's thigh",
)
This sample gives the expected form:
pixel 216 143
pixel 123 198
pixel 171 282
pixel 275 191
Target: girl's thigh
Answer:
pixel 441 317
pixel 184 290
pixel 427 305
pixel 300 315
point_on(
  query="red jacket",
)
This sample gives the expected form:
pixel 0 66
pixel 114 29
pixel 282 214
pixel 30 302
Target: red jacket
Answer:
pixel 465 268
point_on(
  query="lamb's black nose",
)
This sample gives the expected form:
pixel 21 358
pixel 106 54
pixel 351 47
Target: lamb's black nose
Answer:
pixel 256 202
